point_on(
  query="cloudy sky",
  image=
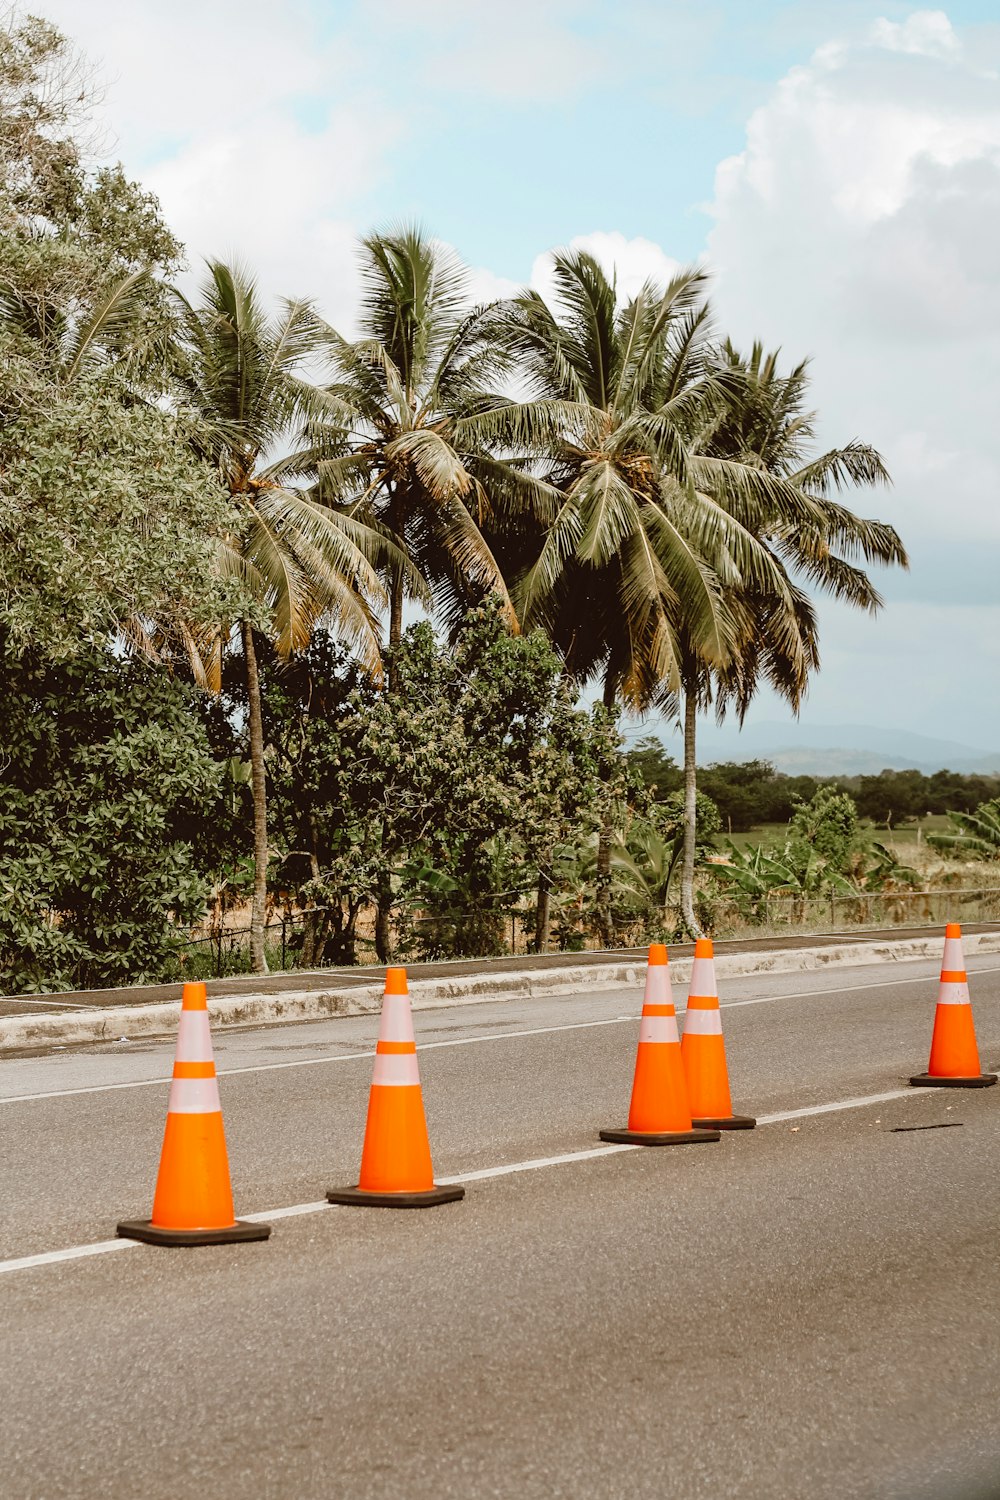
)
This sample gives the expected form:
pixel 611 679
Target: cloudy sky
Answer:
pixel 836 163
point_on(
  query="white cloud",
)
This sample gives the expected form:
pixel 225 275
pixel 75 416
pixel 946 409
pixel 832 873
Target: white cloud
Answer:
pixel 258 138
pixel 276 194
pixel 929 33
pixel 176 72
pixel 859 225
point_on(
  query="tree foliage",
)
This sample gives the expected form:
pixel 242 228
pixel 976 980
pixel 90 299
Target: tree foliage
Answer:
pixel 106 516
pixel 458 787
pixel 106 820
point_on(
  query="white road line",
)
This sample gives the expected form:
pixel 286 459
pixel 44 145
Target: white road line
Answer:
pixel 829 1109
pixel 76 1252
pixel 81 1252
pixel 775 1119
pixel 532 1166
pixel 464 1041
pixel 282 1213
pixel 878 984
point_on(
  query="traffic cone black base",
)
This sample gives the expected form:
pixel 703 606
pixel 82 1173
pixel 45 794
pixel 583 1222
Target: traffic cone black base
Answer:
pixel 934 1081
pixel 725 1122
pixel 151 1234
pixel 666 1138
pixel 355 1197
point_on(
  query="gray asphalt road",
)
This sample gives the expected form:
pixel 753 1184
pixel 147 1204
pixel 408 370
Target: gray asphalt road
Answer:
pixel 809 1310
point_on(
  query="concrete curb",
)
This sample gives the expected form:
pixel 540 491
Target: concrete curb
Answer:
pixel 35 1033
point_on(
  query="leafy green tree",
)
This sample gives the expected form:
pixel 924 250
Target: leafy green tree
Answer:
pixel 742 791
pixel 946 791
pixel 106 517
pixel 457 789
pixel 659 771
pixel 826 826
pixel 891 797
pixel 108 800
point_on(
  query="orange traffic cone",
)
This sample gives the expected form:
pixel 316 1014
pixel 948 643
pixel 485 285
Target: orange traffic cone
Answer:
pixel 193 1204
pixel 704 1050
pixel 659 1113
pixel 396 1167
pixel 954 1062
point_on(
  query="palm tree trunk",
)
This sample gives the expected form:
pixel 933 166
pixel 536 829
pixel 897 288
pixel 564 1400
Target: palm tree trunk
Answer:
pixel 258 912
pixel 690 809
pixel 604 919
pixel 383 916
pixel 542 907
pixel 397 529
pixel 395 610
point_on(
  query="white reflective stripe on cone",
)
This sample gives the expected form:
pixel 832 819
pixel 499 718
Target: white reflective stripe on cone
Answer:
pixel 396 1070
pixel 658 990
pixel 658 1029
pixel 953 960
pixel 396 1024
pixel 954 994
pixel 194 1096
pixel 702 1023
pixel 194 1038
pixel 702 977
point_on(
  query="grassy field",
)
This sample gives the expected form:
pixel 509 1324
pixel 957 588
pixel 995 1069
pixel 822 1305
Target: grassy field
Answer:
pixel 903 839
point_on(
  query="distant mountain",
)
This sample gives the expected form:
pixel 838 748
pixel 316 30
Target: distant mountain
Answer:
pixel 830 749
pixel 834 761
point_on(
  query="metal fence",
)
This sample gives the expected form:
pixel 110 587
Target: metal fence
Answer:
pixel 226 950
pixel 830 912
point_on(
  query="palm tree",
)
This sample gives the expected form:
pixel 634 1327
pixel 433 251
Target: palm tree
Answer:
pixel 296 558
pixel 758 419
pixel 408 428
pixel 648 547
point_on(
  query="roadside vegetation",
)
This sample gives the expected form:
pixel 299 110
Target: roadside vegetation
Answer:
pixel 331 638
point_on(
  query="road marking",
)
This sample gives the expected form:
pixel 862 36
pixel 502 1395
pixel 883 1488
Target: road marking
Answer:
pixel 878 984
pixel 82 1252
pixel 775 1119
pixel 532 1166
pixel 282 1213
pixel 464 1041
pixel 829 1109
pixel 76 1252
